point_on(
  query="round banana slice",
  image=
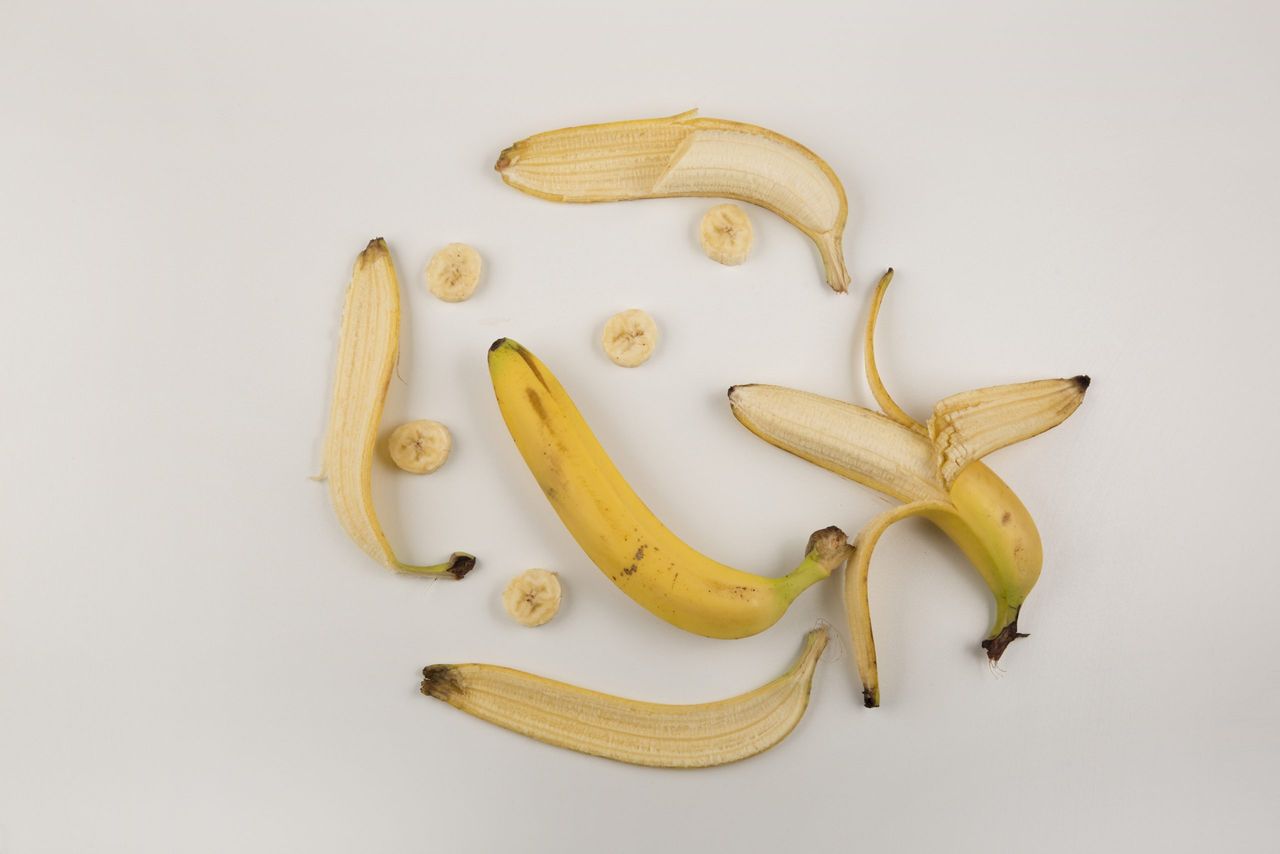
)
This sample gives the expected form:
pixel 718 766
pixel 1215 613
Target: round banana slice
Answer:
pixel 420 447
pixel 532 597
pixel 629 337
pixel 454 272
pixel 725 234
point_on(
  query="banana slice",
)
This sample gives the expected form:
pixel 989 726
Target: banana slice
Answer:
pixel 532 597
pixel 725 234
pixel 420 447
pixel 629 337
pixel 453 272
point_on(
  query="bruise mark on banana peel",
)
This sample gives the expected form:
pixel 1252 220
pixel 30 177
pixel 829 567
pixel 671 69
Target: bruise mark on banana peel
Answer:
pixel 535 403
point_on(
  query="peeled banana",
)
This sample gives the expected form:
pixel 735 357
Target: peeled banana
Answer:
pixel 620 535
pixel 683 155
pixel 664 736
pixel 935 470
pixel 367 350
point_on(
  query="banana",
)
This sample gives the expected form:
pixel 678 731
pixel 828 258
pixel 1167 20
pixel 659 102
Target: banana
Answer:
pixel 683 155
pixel 453 273
pixel 620 535
pixel 653 734
pixel 725 234
pixel 532 598
pixel 934 470
pixel 629 337
pixel 420 447
pixel 368 346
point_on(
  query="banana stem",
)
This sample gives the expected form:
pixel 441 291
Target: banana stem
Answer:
pixel 828 550
pixel 458 565
pixel 1005 630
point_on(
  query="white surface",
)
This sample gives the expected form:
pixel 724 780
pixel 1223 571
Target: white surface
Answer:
pixel 193 658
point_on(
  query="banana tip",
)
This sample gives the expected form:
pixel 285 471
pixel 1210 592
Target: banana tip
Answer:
pixel 440 681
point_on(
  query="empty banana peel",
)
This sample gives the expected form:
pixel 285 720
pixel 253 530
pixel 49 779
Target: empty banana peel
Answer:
pixel 368 347
pixel 640 733
pixel 683 155
pixel 935 471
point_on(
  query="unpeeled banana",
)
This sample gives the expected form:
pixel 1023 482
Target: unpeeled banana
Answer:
pixel 664 736
pixel 935 470
pixel 368 346
pixel 619 533
pixel 683 155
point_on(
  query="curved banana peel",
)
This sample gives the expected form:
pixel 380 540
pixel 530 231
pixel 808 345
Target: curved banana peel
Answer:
pixel 368 347
pixel 683 155
pixel 935 470
pixel 631 731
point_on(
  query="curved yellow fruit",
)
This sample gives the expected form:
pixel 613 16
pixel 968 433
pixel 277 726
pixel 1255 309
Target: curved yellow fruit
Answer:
pixel 619 533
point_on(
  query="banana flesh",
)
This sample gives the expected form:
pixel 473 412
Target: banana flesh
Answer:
pixel 639 733
pixel 683 155
pixel 619 533
pixel 854 442
pixel 935 471
pixel 369 344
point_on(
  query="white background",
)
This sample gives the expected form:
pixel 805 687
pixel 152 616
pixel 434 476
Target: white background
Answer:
pixel 193 657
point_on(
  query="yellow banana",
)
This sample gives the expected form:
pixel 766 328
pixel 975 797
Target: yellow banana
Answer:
pixel 935 470
pixel 620 535
pixel 684 155
pixel 367 350
pixel 694 736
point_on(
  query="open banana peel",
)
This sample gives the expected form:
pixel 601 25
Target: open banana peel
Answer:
pixel 632 731
pixel 934 469
pixel 368 347
pixel 684 155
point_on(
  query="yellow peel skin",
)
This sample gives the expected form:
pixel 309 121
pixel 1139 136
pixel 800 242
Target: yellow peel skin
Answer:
pixel 619 533
pixel 683 155
pixel 632 731
pixel 935 471
pixel 367 350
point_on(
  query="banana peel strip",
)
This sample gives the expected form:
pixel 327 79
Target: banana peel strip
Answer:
pixel 368 347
